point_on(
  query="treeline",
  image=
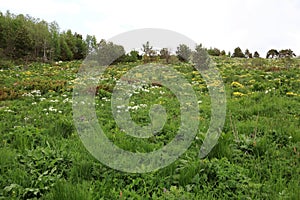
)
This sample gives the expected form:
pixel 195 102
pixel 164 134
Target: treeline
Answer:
pixel 30 39
pixel 238 53
pixel 26 38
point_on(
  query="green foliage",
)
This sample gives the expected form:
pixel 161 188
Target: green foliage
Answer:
pixel 238 53
pixel 108 53
pixel 200 57
pixel 257 157
pixel 133 56
pixel 256 54
pixel 183 52
pixel 91 42
pixel 29 39
pixel 214 52
pixel 248 54
pixel 150 54
pixel 286 53
pixel 165 54
pixel 273 53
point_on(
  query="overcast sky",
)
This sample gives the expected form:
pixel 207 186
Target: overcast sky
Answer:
pixel 254 24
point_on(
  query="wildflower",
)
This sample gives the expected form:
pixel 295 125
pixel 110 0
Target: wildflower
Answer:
pixel 291 94
pixel 67 100
pixel 120 107
pixel 27 95
pixel 52 109
pixel 36 92
pixel 143 105
pixel 54 101
pixel 237 85
pixel 238 94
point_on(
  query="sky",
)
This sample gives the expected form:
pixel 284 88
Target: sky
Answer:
pixel 258 25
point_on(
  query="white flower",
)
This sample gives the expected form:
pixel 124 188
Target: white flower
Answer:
pixel 52 109
pixel 33 103
pixel 27 95
pixel 36 92
pixel 105 99
pixel 54 101
pixel 120 107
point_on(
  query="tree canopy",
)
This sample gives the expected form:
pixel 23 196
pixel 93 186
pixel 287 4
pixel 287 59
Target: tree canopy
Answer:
pixel 31 39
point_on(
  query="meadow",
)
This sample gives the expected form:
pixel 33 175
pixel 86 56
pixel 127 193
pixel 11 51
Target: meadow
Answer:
pixel 257 156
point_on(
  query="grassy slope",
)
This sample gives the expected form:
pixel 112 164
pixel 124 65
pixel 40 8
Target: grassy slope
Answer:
pixel 257 157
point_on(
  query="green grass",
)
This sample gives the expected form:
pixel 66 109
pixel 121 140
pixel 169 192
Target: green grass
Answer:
pixel 257 156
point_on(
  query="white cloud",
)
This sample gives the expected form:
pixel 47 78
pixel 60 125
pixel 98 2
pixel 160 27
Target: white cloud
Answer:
pixel 254 24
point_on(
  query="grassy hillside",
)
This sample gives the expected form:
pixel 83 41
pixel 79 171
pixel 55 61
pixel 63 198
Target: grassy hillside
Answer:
pixel 257 157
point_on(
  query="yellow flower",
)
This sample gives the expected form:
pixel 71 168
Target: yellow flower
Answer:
pixel 237 84
pixel 238 94
pixel 291 94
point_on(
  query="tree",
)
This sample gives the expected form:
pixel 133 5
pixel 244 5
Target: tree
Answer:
pixel 286 53
pixel 148 50
pixel 149 53
pixel 24 37
pixel 23 43
pixel 248 54
pixel 132 56
pixel 65 51
pixel 238 53
pixel 200 57
pixel 273 53
pixel 55 41
pixel 223 53
pixel 80 50
pixel 256 54
pixel 183 52
pixel 91 42
pixel 108 53
pixel 214 52
pixel 165 54
pixel 42 39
